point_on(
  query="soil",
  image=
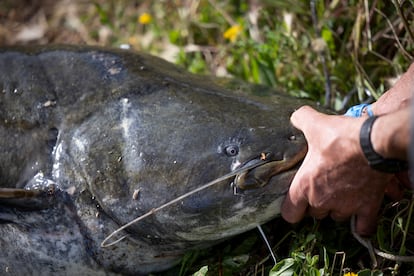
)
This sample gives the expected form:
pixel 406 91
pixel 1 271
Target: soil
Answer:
pixel 42 22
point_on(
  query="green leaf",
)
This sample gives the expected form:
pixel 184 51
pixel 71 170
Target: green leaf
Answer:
pixel 236 261
pixel 285 267
pixel 369 272
pixel 328 37
pixel 174 36
pixel 202 271
pixel 313 272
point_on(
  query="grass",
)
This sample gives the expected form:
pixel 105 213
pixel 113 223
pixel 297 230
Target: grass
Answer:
pixel 270 42
pixel 337 53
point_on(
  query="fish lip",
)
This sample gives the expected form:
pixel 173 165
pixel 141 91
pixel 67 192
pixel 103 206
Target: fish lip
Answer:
pixel 260 175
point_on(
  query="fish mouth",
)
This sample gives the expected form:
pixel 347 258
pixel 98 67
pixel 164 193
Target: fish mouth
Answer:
pixel 260 175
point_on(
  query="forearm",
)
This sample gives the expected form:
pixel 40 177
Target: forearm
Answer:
pixel 398 97
pixel 390 134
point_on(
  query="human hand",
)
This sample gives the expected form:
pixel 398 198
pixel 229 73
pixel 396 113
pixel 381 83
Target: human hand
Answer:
pixel 335 178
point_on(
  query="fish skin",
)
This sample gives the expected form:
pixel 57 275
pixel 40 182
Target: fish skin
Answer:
pixel 101 124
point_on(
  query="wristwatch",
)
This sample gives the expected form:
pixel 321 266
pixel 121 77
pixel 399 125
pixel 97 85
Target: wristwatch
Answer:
pixel 376 161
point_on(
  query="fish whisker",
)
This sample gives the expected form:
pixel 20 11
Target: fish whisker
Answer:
pixel 106 243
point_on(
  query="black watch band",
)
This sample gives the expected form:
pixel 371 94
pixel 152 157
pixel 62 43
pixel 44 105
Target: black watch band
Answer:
pixel 376 161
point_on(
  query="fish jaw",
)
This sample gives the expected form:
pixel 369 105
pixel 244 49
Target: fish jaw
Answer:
pixel 261 175
pixel 252 209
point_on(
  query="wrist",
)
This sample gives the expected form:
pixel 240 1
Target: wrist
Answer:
pixel 378 141
pixel 397 97
pixel 373 156
pixel 390 134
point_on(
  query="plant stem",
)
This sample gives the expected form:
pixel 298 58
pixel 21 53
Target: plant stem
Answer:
pixel 407 225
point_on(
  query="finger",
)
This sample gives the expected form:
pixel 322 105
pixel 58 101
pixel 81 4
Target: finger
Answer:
pixel 404 179
pixel 295 204
pixel 394 189
pixel 337 216
pixel 293 212
pixel 366 221
pixel 318 213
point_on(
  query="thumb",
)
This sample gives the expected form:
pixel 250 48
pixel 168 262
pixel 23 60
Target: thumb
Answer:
pixel 304 117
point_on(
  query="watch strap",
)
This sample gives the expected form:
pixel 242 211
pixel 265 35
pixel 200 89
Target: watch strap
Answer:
pixel 376 161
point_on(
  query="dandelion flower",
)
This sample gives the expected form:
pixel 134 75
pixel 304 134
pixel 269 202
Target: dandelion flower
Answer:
pixel 350 274
pixel 232 32
pixel 145 18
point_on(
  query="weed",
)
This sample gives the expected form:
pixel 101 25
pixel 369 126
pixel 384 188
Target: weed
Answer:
pixel 356 48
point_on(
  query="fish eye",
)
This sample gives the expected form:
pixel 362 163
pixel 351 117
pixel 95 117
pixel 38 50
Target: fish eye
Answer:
pixel 231 150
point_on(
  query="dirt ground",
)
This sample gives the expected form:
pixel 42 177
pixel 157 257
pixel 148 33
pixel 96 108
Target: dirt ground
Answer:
pixel 45 22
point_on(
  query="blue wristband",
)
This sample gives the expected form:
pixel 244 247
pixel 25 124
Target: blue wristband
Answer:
pixel 356 110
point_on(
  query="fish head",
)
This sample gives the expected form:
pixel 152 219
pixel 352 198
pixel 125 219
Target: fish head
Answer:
pixel 171 136
pixel 263 149
pixel 189 140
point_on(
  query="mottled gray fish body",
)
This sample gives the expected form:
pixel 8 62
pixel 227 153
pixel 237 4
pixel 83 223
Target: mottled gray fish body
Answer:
pixel 102 136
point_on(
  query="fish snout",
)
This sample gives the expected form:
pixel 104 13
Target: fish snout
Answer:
pixel 266 168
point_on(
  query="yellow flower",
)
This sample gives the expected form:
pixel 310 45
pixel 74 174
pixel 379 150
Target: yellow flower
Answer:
pixel 145 18
pixel 232 32
pixel 350 274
